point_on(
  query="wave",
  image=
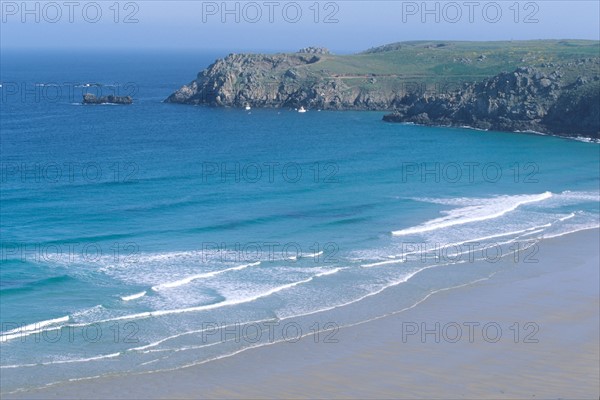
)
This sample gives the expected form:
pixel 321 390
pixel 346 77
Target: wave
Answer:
pixel 578 229
pixel 49 325
pixel 313 255
pixel 39 324
pixel 36 328
pixel 31 328
pixel 409 275
pixel 178 335
pixel 485 210
pixel 75 360
pixel 225 303
pixel 33 285
pixel 133 296
pixel 579 197
pixel 400 258
pixel 566 217
pixel 192 278
pixel 530 233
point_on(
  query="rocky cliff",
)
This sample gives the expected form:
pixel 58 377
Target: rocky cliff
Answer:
pixel 279 80
pixel 553 87
pixel 555 99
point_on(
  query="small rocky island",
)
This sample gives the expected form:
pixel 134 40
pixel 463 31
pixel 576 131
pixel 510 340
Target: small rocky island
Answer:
pixel 89 98
pixel 548 86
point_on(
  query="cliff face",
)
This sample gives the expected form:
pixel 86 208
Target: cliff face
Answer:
pixel 565 101
pixel 559 95
pixel 240 79
pixel 276 81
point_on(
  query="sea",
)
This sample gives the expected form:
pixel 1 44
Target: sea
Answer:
pixel 155 236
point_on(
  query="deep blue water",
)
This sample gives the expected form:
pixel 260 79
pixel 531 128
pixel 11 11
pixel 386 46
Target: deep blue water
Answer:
pixel 152 223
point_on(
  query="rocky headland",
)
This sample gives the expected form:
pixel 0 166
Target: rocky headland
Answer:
pixel 276 81
pixel 544 86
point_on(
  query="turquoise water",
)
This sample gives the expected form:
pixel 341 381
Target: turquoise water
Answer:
pixel 131 235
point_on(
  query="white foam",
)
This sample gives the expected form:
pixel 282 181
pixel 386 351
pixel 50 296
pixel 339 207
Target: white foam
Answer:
pixel 44 326
pixel 498 235
pixel 579 229
pixel 567 217
pixel 484 209
pixel 531 233
pixel 76 360
pixel 578 197
pixel 192 278
pixel 225 303
pixel 151 361
pixel 315 255
pixel 379 263
pixel 37 325
pixel 230 302
pixel 33 328
pixel 158 342
pixel 133 296
pixel 195 256
pixel 397 282
pixel 585 139
pixel 401 258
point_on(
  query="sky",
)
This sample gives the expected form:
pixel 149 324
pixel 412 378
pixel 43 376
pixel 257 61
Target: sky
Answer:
pixel 270 25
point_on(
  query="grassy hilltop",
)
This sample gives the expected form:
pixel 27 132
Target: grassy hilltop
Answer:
pixel 430 62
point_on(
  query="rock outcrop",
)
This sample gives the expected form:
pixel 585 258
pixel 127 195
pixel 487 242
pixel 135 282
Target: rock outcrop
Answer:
pixel 89 98
pixel 277 81
pixel 557 99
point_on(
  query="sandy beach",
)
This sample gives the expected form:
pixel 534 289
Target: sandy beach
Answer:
pixel 527 332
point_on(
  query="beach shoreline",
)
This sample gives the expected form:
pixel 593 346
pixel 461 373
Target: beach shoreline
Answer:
pixel 530 331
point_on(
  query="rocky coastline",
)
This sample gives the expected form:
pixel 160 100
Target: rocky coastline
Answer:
pixel 548 97
pixel 527 99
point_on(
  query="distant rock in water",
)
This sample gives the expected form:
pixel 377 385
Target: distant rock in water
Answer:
pixel 89 98
pixel 556 99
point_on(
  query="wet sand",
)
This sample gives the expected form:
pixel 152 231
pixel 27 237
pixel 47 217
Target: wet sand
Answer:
pixel 527 332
